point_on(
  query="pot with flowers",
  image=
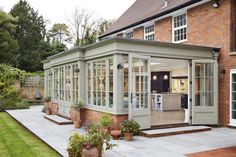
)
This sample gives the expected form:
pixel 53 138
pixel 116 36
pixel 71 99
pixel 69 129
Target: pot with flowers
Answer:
pixel 106 122
pixel 75 113
pixel 95 130
pixel 129 128
pixel 92 144
pixel 75 145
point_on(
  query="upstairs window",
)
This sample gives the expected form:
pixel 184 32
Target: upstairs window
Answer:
pixel 149 32
pixel 179 28
pixel 129 35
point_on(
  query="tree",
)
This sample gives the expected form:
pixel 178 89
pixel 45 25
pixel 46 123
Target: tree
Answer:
pixel 30 33
pixel 103 25
pixel 85 30
pixel 80 24
pixel 8 44
pixel 60 32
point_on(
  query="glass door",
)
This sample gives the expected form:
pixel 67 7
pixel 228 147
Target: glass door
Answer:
pixel 233 97
pixel 205 92
pixel 139 90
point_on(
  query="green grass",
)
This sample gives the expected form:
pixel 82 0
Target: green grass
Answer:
pixel 16 141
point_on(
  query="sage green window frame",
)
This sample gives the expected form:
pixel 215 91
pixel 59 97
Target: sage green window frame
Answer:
pixel 99 83
pixel 55 84
pixel 66 83
pixel 48 83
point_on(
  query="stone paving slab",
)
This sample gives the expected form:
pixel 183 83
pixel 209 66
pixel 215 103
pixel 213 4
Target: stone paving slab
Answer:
pixel 170 146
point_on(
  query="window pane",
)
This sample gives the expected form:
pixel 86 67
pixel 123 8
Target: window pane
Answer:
pixel 199 101
pixel 234 78
pixel 209 99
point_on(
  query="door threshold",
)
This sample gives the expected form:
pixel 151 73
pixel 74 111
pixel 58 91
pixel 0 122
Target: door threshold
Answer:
pixel 173 131
pixel 165 126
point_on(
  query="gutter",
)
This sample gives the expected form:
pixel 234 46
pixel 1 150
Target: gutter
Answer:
pixel 153 17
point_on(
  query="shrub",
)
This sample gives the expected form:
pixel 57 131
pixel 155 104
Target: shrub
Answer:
pixel 106 120
pixel 13 103
pixel 130 126
pixel 76 143
pixel 9 95
pixel 47 99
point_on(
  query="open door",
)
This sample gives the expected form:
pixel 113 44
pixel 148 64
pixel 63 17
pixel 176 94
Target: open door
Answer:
pixel 204 92
pixel 139 90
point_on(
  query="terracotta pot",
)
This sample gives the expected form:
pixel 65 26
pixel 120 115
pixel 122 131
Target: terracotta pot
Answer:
pixel 74 115
pixel 48 111
pixel 128 136
pixel 93 152
pixel 77 124
pixel 99 152
pixel 54 108
pixel 70 153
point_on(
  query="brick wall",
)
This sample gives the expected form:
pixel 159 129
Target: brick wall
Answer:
pixel 92 116
pixel 139 33
pixel 163 30
pixel 208 26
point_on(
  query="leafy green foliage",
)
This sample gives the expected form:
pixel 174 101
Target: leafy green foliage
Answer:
pixel 78 105
pixel 106 120
pixel 9 95
pixel 129 126
pixel 60 32
pixel 30 32
pixel 8 44
pixel 75 144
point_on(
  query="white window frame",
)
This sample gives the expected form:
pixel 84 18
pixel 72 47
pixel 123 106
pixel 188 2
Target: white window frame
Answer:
pixel 179 28
pixel 149 33
pixel 129 37
pixel 232 121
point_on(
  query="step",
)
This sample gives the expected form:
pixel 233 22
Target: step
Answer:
pixel 173 131
pixel 169 126
pixel 58 120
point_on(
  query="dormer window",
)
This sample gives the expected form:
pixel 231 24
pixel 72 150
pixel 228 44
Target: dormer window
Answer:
pixel 129 35
pixel 149 32
pixel 179 31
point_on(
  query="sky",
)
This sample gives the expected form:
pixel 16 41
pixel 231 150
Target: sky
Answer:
pixel 58 11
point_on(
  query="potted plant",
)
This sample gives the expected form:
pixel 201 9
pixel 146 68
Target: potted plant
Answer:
pixel 75 145
pixel 129 128
pixel 93 145
pixel 47 106
pixel 94 130
pixel 75 113
pixel 106 122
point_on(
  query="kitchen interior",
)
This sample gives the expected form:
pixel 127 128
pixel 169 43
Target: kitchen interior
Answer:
pixel 169 87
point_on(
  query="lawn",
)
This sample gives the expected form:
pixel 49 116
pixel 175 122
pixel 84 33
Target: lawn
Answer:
pixel 16 141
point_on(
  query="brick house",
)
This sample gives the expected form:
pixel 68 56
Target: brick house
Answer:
pixel 162 62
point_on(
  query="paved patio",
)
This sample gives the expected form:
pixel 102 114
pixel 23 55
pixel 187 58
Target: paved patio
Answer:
pixel 172 146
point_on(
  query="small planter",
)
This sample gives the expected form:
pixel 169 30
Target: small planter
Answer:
pixel 74 114
pixel 54 108
pixel 77 124
pixel 115 134
pixel 92 152
pixel 48 111
pixel 70 153
pixel 128 136
pixel 99 152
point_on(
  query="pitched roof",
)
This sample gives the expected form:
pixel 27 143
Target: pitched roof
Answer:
pixel 145 10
